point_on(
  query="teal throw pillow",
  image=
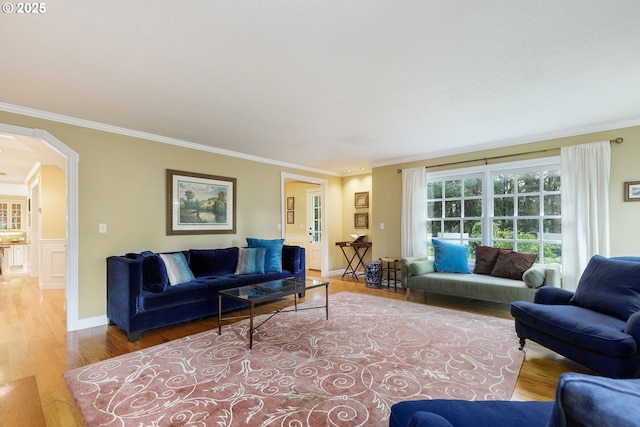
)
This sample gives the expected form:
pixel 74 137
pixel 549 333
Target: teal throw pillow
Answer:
pixel 273 256
pixel 450 257
pixel 251 261
pixel 177 268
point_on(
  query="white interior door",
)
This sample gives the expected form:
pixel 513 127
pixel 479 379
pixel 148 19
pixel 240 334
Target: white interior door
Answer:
pixel 314 222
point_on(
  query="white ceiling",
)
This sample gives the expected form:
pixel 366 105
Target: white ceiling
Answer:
pixel 331 85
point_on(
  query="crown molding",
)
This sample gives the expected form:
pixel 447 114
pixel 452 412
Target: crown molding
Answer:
pixel 481 146
pixel 60 118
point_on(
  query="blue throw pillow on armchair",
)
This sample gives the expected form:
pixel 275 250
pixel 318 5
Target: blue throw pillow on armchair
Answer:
pixel 450 257
pixel 610 286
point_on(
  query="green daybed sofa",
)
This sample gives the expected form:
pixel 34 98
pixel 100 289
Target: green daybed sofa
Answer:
pixel 418 273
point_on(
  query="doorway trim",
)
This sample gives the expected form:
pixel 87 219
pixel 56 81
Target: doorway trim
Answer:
pixel 285 176
pixel 71 289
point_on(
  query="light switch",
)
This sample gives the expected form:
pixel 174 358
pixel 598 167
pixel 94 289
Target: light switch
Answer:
pixel 382 226
pixel 102 228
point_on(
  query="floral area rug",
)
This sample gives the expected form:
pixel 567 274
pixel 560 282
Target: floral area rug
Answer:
pixel 304 370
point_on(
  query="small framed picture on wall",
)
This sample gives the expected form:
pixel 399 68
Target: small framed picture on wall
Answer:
pixel 632 191
pixel 362 199
pixel 361 220
pixel 291 203
pixel 291 218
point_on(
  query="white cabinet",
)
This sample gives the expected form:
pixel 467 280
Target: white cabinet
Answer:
pixel 12 215
pixel 15 259
pixel 19 255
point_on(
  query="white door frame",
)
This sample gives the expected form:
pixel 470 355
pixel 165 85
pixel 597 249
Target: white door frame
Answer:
pixel 285 176
pixel 73 322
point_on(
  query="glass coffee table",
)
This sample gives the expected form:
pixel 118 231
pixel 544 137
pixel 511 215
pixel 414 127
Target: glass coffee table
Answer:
pixel 267 292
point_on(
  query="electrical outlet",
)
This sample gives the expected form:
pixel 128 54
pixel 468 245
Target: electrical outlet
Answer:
pixel 102 228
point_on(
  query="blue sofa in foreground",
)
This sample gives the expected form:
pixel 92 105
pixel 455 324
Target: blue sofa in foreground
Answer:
pixel 581 400
pixel 150 290
pixel 598 325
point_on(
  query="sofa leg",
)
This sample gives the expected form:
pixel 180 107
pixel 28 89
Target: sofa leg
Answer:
pixel 134 336
pixel 522 342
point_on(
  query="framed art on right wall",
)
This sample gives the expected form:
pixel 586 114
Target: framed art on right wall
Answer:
pixel 632 191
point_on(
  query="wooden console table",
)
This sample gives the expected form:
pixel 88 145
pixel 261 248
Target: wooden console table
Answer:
pixel 360 249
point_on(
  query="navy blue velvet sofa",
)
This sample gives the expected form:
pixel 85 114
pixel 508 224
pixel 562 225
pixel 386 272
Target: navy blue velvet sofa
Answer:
pixel 139 297
pixel 597 326
pixel 581 400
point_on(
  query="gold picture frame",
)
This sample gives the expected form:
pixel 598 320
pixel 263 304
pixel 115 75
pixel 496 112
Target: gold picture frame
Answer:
pixel 200 204
pixel 291 203
pixel 632 191
pixel 291 217
pixel 361 220
pixel 361 200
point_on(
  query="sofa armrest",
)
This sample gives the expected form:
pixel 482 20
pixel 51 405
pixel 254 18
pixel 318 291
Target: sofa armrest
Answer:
pixel 552 275
pixel 124 286
pixel 293 260
pixel 404 267
pixel 550 295
pixel 633 327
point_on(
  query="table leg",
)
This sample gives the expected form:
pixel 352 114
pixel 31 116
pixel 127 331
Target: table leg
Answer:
pixel 250 326
pixel 326 301
pixel 219 314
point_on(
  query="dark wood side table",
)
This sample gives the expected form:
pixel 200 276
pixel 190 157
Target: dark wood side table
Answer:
pixel 360 249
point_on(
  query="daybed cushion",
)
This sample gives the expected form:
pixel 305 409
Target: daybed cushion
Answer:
pixel 177 268
pixel 273 256
pixel 610 286
pixel 512 265
pixel 450 257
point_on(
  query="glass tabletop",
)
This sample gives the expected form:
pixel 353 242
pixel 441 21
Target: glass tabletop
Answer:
pixel 272 289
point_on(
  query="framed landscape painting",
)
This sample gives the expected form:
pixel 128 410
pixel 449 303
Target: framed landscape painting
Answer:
pixel 200 204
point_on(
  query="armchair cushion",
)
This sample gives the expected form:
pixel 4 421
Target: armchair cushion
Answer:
pixel 610 286
pixel 580 327
pixel 590 401
pixel 464 413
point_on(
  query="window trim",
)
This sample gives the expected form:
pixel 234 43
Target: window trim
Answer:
pixel 487 194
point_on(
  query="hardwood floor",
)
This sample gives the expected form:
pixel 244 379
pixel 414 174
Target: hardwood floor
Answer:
pixel 34 343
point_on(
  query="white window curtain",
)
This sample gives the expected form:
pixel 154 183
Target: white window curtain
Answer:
pixel 585 207
pixel 414 212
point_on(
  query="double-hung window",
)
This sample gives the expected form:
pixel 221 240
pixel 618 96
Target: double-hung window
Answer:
pixel 508 205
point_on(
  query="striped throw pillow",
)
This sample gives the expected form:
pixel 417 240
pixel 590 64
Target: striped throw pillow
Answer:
pixel 251 261
pixel 177 268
